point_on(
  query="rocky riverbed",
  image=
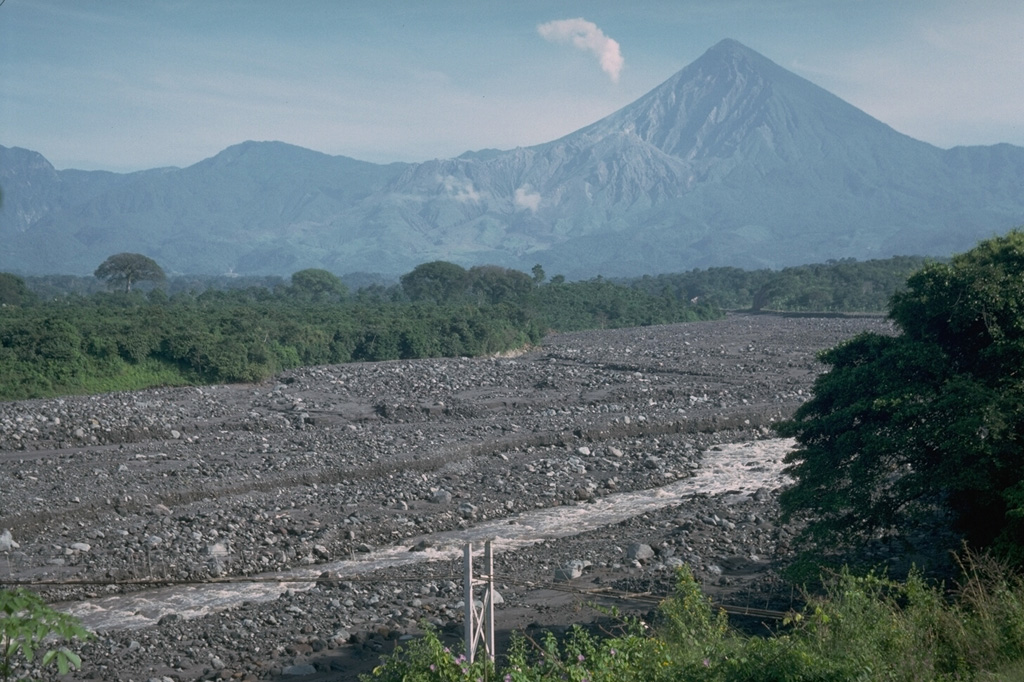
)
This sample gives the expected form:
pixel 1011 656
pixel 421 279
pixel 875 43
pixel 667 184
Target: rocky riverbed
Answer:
pixel 350 463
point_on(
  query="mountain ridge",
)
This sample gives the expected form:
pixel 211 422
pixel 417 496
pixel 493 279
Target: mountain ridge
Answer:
pixel 733 160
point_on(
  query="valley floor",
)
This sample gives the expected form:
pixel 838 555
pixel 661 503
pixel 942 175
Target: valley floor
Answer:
pixel 332 463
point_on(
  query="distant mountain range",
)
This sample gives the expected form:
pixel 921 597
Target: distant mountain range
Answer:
pixel 732 161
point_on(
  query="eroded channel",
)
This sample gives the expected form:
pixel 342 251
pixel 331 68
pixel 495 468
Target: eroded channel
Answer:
pixel 736 470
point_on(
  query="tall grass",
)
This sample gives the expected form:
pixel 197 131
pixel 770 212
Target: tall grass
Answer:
pixel 865 627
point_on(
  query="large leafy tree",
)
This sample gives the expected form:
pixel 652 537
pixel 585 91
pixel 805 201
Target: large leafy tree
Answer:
pixel 314 284
pixel 436 282
pixel 125 269
pixel 928 423
pixel 495 284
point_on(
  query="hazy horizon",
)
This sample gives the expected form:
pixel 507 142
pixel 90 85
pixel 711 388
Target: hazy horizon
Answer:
pixel 126 86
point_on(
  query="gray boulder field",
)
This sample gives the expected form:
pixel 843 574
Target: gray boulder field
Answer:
pixel 326 478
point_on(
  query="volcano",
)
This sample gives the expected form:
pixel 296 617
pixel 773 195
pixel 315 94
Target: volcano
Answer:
pixel 733 161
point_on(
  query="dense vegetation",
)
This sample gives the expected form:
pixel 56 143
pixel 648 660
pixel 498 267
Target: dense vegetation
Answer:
pixel 837 286
pixel 127 340
pixel 844 286
pixel 126 269
pixel 64 334
pixel 923 429
pixel 862 628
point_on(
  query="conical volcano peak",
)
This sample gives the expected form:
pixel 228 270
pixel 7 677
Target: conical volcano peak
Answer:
pixel 728 64
pixel 715 101
pixel 733 102
pixel 731 58
pixel 728 47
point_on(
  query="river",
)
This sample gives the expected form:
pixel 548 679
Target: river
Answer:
pixel 740 469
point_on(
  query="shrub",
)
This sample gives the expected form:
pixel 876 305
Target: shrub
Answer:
pixel 27 625
pixel 860 628
pixel 427 659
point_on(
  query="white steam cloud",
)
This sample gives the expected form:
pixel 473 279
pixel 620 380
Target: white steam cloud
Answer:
pixel 585 35
pixel 527 199
pixel 460 190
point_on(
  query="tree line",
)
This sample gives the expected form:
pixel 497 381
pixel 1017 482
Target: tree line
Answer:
pixel 130 326
pixel 838 286
pixel 128 338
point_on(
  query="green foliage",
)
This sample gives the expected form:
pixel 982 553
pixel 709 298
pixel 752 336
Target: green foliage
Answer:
pixel 725 287
pixel 689 621
pixel 52 287
pixel 871 627
pixel 494 284
pixel 860 628
pixel 836 286
pixel 581 656
pixel 599 304
pixel 904 428
pixel 125 269
pixel 129 340
pixel 28 627
pixel 13 290
pixel 317 285
pixel 427 659
pixel 123 342
pixel 444 283
pixel 435 282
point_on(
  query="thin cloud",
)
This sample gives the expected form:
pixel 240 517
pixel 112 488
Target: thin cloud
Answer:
pixel 460 190
pixel 585 35
pixel 948 77
pixel 527 199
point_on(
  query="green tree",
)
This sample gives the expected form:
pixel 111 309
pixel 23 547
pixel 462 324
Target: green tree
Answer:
pixel 125 269
pixel 318 285
pixel 435 282
pixel 906 428
pixel 495 284
pixel 13 290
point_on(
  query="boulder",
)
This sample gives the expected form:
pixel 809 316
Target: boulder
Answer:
pixel 571 570
pixel 639 551
pixel 7 542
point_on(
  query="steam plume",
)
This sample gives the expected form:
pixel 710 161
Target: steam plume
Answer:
pixel 585 35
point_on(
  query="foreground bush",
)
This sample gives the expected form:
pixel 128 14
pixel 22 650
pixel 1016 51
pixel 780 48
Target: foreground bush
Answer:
pixel 861 628
pixel 29 628
pixel 921 428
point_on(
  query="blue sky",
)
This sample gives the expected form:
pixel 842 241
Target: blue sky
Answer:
pixel 131 84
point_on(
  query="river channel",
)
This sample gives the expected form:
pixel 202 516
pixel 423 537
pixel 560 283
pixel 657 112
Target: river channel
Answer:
pixel 738 469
